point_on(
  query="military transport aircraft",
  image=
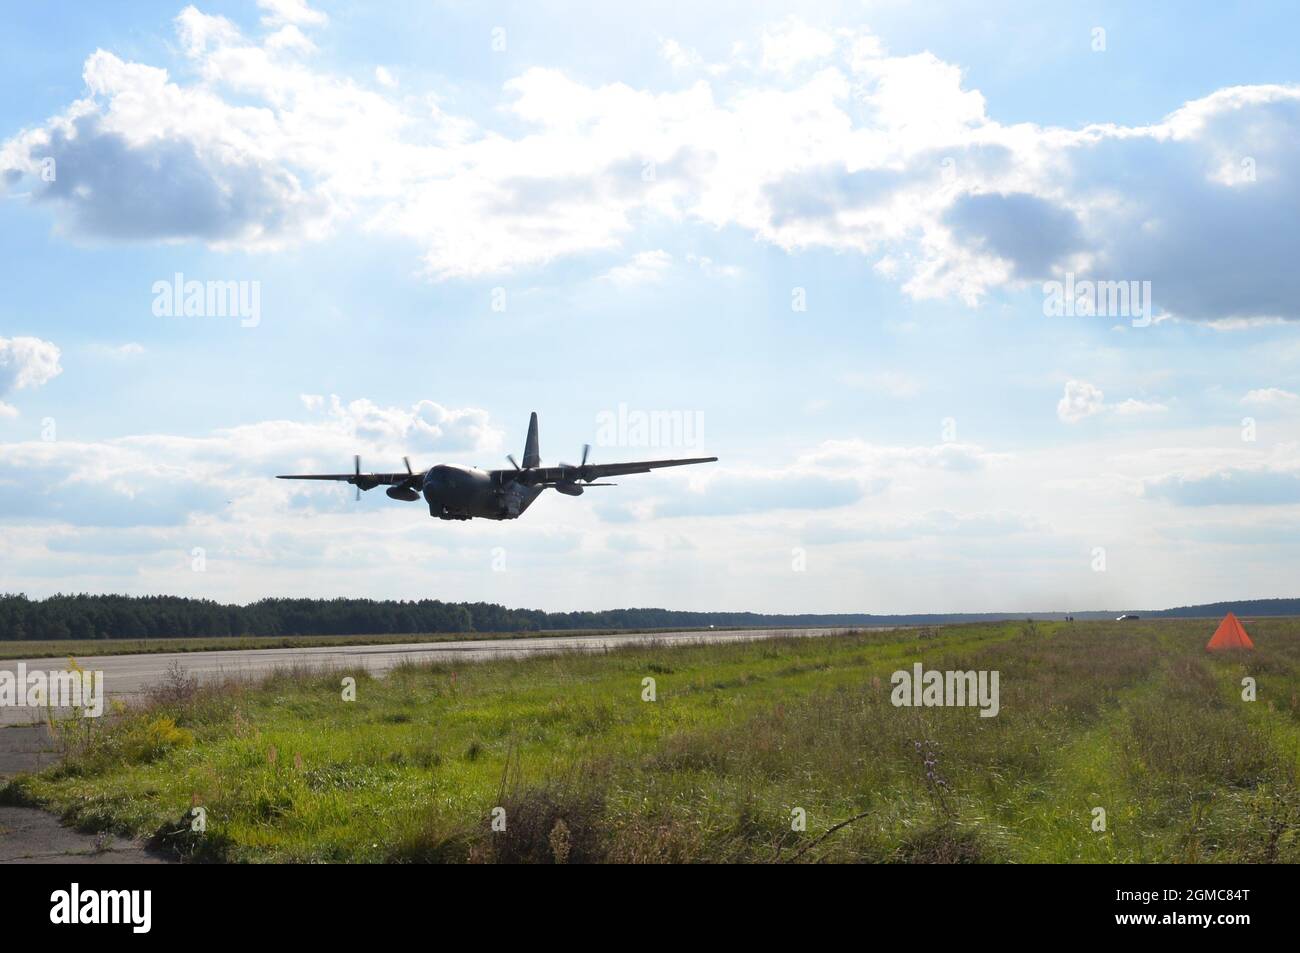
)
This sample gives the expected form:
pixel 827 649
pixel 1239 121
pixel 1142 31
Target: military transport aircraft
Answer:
pixel 462 493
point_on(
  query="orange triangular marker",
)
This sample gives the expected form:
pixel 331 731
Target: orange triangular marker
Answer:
pixel 1229 635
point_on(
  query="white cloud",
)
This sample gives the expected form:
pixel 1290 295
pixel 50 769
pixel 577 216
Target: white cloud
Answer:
pixel 290 39
pixel 1271 397
pixel 1080 400
pixel 294 12
pixel 713 269
pixel 643 268
pixel 833 142
pixel 421 427
pixel 385 78
pixel 25 362
pixel 129 349
pixel 678 56
pixel 792 43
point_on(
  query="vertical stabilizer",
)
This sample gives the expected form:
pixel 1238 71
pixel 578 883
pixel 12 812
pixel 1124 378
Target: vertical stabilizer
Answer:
pixel 532 458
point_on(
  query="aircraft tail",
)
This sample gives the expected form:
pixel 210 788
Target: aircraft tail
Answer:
pixel 532 458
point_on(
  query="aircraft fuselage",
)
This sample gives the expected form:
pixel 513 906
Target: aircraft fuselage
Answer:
pixel 461 493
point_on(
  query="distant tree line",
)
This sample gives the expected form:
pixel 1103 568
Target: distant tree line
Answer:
pixel 1244 607
pixel 151 617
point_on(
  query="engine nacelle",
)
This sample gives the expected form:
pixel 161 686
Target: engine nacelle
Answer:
pixel 403 493
pixel 569 489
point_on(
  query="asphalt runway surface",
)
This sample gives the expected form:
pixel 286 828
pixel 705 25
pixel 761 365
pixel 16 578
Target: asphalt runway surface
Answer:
pixel 29 835
pixel 129 677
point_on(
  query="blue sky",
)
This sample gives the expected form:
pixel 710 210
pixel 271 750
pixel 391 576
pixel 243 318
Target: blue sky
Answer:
pixel 823 237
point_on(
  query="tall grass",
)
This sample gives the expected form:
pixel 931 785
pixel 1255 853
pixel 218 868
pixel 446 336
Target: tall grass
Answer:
pixel 1133 719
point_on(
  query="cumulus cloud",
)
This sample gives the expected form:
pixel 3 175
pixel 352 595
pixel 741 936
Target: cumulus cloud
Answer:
pixel 711 268
pixel 1271 397
pixel 1082 399
pixel 425 425
pixel 791 43
pixel 677 55
pixel 1031 234
pixel 25 362
pixel 295 12
pixel 824 139
pixel 642 268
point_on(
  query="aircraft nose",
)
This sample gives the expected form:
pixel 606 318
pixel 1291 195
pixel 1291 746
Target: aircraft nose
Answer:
pixel 435 481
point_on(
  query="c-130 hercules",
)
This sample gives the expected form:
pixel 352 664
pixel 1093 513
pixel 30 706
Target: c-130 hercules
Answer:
pixel 462 493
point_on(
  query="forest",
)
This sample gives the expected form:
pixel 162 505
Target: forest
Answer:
pixel 146 617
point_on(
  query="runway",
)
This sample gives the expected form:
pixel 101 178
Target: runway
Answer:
pixel 128 677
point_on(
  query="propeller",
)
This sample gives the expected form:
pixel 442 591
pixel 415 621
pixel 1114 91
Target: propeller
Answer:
pixel 582 467
pixel 362 481
pixel 405 489
pixel 511 458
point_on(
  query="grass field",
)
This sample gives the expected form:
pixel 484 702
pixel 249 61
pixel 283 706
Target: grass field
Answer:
pixel 62 648
pixel 1134 718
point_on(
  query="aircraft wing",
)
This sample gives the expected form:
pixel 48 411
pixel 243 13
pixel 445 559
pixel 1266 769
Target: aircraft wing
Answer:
pixel 594 471
pixel 363 480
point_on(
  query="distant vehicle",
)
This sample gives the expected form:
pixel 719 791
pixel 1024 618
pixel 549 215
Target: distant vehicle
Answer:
pixel 1127 618
pixel 461 493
